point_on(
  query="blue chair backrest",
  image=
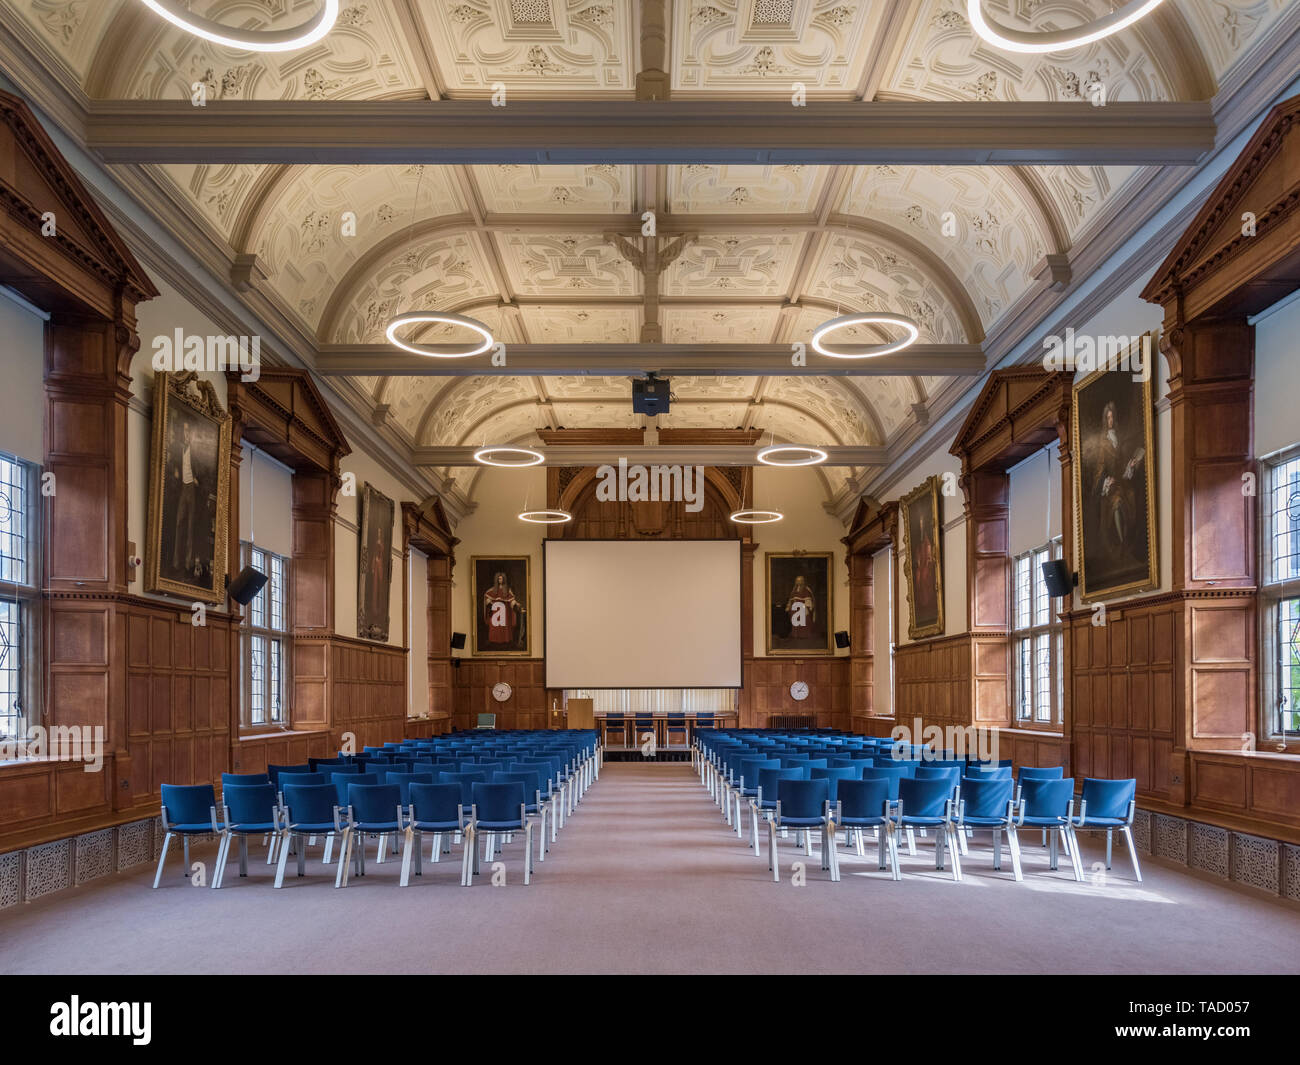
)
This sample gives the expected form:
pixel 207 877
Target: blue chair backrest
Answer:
pixel 924 798
pixel 865 798
pixel 988 772
pixel 330 770
pixel 1041 772
pixel 189 804
pixel 274 771
pixel 803 798
pixel 928 771
pixel 343 781
pixel 243 780
pixel 892 773
pixel 250 804
pixel 748 769
pixel 1108 798
pixel 375 804
pixel 499 803
pixel 987 797
pixel 405 780
pixel 989 761
pixel 316 763
pixel 1047 798
pixel 436 802
pixel 310 804
pixel 529 778
pixel 466 780
pixel 834 775
pixel 300 778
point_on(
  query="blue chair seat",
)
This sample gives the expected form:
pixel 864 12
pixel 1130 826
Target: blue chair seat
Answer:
pixel 1100 822
pixel 253 828
pixel 920 822
pixel 983 822
pixel 860 822
pixel 436 826
pixel 197 827
pixel 319 827
pixel 499 826
pixel 376 826
pixel 801 822
pixel 1044 822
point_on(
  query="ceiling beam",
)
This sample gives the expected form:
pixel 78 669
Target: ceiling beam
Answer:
pixel 658 454
pixel 657 131
pixel 635 360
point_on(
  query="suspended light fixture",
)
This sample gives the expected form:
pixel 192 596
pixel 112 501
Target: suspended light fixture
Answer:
pixel 438 318
pixel 755 517
pixel 1013 40
pixel 791 455
pixel 546 517
pixel 286 40
pixel 844 321
pixel 499 456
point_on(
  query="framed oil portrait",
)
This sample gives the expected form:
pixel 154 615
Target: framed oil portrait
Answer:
pixel 189 490
pixel 1114 493
pixel 922 520
pixel 374 563
pixel 500 589
pixel 799 609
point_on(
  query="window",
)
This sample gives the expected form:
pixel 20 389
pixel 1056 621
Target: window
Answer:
pixel 1280 596
pixel 1037 641
pixel 265 641
pixel 19 598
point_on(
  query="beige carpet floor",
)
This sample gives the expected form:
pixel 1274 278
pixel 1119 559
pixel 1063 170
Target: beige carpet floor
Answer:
pixel 646 878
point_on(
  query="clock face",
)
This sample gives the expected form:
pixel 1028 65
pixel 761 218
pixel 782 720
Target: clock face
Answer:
pixel 501 691
pixel 799 690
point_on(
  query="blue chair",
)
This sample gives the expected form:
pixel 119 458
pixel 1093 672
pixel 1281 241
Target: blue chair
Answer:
pixel 372 808
pixel 863 804
pixel 308 811
pixel 744 783
pixel 988 772
pixel 1107 806
pixel 274 771
pixel 531 779
pixel 247 810
pixel 892 773
pixel 436 808
pixel 927 804
pixel 987 804
pixel 1044 772
pixel 188 810
pixel 835 775
pixel 1049 805
pixel 284 778
pixel 802 805
pixel 328 764
pixel 243 780
pixel 501 810
pixel 404 781
pixel 768 781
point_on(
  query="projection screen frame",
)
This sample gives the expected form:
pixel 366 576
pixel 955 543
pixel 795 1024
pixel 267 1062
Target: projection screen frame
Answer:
pixel 740 574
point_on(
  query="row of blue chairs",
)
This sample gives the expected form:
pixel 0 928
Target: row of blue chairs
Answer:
pixel 840 783
pixel 455 788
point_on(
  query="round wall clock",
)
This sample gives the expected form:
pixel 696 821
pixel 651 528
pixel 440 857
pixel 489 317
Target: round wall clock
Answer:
pixel 501 691
pixel 799 690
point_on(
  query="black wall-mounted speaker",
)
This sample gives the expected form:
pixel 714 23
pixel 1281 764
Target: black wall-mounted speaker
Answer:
pixel 650 395
pixel 841 639
pixel 457 641
pixel 1058 578
pixel 244 588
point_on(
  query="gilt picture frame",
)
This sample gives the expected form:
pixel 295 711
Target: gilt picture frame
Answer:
pixel 921 515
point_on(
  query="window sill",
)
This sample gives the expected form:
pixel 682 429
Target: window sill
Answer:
pixel 276 734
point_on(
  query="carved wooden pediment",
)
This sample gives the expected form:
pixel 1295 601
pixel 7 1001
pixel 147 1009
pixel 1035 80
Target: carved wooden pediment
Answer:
pixel 1242 251
pixel 283 413
pixel 1016 412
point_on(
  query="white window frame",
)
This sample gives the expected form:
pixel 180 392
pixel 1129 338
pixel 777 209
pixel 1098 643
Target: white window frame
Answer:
pixel 260 625
pixel 1036 628
pixel 1279 596
pixel 20 592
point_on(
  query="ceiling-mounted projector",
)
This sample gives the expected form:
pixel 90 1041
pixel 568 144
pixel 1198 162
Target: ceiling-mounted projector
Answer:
pixel 650 396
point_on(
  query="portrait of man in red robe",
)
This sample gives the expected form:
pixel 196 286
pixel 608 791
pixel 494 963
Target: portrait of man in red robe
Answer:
pixel 501 605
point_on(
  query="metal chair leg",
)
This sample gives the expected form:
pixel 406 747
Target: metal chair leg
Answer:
pixel 167 839
pixel 1132 851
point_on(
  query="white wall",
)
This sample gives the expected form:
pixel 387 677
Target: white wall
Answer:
pixel 22 404
pixel 347 528
pixel 807 526
pixel 1277 375
pixel 494 528
pixel 417 621
pixel 937 463
pixel 882 576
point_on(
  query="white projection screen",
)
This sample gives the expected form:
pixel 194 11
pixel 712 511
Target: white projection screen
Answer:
pixel 642 614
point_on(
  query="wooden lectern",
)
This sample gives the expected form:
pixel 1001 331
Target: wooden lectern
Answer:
pixel 581 713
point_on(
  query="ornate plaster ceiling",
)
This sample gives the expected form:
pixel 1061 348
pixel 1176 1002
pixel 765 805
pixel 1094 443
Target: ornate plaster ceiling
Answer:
pixel 770 251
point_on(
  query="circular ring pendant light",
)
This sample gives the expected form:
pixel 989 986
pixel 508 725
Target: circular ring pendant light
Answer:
pixel 497 456
pixel 1013 40
pixel 286 40
pixel 779 455
pixel 439 318
pixel 755 517
pixel 546 517
pixel 844 321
